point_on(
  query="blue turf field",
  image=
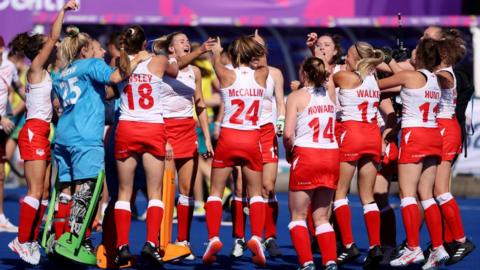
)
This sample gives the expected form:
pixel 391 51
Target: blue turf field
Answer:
pixel 470 212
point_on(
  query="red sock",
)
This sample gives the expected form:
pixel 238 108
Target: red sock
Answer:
pixel 213 209
pixel 184 217
pixel 433 219
pixel 154 220
pixel 447 232
pixel 326 241
pixel 67 222
pixel 388 228
pixel 39 218
pixel 411 221
pixel 238 218
pixel 311 225
pixel 344 216
pixel 257 216
pixel 451 214
pixel 301 241
pixel 60 222
pixel 123 216
pixel 28 212
pixel 271 216
pixel 371 215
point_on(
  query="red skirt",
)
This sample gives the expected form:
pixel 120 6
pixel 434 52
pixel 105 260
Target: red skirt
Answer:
pixel 360 139
pixel 136 138
pixel 33 140
pixel 182 136
pixel 418 143
pixel 313 168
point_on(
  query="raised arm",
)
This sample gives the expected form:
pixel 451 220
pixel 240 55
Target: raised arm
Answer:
pixel 36 68
pixel 189 58
pixel 224 74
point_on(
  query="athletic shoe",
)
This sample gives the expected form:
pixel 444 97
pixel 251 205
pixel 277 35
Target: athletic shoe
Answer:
pixel 199 209
pixel 272 247
pixel 123 255
pixel 88 245
pixel 7 226
pixel 150 254
pixel 24 250
pixel 458 251
pixel 238 247
pixel 35 248
pixel 190 257
pixel 408 256
pixel 256 247
pixel 331 266
pixel 348 254
pixel 214 246
pixel 372 261
pixel 307 266
pixel 436 258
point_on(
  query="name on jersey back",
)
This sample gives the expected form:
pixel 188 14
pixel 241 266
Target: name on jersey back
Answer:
pixel 249 92
pixel 321 109
pixel 140 78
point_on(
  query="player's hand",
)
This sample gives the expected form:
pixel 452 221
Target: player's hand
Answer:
pixel 295 85
pixel 142 56
pixel 168 151
pixel 208 45
pixel 7 125
pixel 71 5
pixel 216 130
pixel 208 145
pixel 280 125
pixel 217 48
pixel 312 40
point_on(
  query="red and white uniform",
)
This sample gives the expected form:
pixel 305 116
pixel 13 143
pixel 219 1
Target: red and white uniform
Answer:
pixel 238 143
pixel 420 134
pixel 8 73
pixel 359 109
pixel 447 122
pixel 33 138
pixel 140 129
pixel 268 139
pixel 315 161
pixel 177 99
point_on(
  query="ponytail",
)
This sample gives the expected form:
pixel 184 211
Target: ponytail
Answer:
pixel 369 57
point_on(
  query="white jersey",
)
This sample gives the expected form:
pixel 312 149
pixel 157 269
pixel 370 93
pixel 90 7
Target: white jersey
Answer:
pixel 243 101
pixel 8 73
pixel 448 100
pixel 177 94
pixel 420 106
pixel 316 123
pixel 140 98
pixel 361 103
pixel 38 100
pixel 268 102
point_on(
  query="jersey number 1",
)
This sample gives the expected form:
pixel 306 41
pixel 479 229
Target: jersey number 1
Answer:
pixel 145 92
pixel 327 131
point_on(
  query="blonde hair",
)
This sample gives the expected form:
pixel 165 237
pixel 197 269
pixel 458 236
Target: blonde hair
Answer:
pixel 369 58
pixel 72 45
pixel 161 44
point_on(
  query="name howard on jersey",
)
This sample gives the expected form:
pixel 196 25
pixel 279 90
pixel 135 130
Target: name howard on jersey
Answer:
pixel 321 109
